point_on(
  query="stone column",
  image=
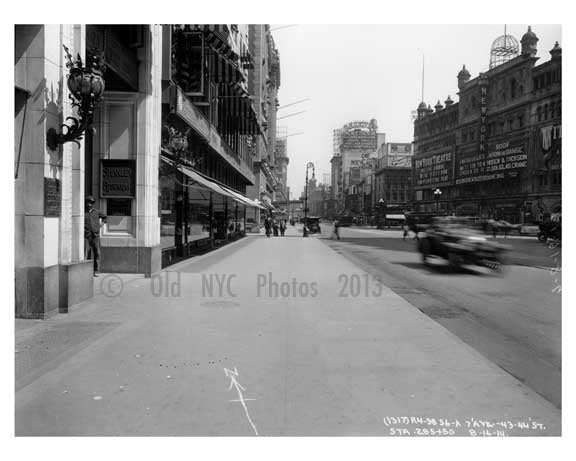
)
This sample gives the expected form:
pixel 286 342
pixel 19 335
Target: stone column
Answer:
pixel 149 122
pixel 44 244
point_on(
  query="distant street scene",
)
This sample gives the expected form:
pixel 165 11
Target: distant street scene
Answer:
pixel 288 230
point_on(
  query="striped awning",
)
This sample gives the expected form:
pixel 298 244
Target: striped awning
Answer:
pixel 198 178
pixel 212 186
pixel 243 199
pixel 217 36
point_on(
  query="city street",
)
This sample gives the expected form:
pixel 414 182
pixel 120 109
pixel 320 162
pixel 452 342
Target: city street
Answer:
pixel 513 319
pixel 271 337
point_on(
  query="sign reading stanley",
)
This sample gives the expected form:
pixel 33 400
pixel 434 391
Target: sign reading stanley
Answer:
pixel 118 178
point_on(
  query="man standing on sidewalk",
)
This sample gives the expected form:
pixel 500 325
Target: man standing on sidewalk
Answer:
pixel 92 232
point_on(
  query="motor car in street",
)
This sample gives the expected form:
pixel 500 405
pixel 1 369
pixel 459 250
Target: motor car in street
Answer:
pixel 549 230
pixel 312 223
pixel 460 243
pixel 345 220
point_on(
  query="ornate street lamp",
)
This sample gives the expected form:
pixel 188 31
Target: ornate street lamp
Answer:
pixel 383 212
pixel 437 194
pixel 86 86
pixel 308 166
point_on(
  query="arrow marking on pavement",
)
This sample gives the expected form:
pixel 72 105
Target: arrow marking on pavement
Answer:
pixel 239 388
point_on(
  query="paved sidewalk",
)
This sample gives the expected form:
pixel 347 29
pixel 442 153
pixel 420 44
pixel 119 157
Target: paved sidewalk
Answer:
pixel 167 357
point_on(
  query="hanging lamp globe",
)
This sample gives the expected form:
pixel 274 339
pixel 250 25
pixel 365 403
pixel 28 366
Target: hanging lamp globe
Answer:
pixel 86 86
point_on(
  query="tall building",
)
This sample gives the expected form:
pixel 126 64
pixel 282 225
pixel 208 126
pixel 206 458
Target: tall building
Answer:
pixel 282 161
pixel 497 151
pixel 264 84
pixel 393 177
pixel 164 136
pixel 359 143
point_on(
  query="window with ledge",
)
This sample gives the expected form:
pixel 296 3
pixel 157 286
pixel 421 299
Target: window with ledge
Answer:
pixel 119 141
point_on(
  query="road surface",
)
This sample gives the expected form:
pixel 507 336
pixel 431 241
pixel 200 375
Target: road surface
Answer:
pixel 257 339
pixel 513 319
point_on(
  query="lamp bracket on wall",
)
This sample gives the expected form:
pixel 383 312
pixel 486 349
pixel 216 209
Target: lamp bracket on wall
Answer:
pixel 86 86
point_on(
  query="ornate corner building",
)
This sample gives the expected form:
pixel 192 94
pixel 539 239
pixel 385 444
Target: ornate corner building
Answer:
pixel 497 152
pixel 172 151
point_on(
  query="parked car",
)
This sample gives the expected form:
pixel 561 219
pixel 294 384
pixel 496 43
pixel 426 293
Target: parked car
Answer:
pixel 550 230
pixel 457 241
pixel 313 224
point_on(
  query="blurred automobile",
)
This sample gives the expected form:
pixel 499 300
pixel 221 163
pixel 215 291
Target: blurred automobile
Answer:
pixel 492 226
pixel 508 228
pixel 460 243
pixel 418 221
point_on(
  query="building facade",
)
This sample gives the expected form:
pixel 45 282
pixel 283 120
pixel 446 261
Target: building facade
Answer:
pixel 264 84
pixel 353 162
pixel 168 152
pixel 497 152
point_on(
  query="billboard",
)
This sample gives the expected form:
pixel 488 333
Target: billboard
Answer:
pixel 502 160
pixel 359 136
pixel 435 169
pixel 399 148
pixel 281 148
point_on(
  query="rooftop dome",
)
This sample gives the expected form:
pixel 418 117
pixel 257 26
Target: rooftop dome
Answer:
pixel 422 106
pixel 529 35
pixel 503 49
pixel 529 42
pixel 464 72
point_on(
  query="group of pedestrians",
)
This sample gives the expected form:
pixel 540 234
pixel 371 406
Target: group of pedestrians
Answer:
pixel 274 226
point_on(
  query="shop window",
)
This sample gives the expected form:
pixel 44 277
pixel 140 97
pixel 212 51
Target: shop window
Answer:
pixel 167 208
pixel 118 135
pixel 120 131
pixel 119 212
pixel 197 220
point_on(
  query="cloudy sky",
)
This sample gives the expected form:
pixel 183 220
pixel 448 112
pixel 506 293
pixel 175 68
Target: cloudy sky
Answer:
pixel 360 72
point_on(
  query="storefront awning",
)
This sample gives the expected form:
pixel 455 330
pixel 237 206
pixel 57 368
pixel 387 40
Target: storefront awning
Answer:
pixel 217 36
pixel 201 180
pixel 243 199
pixel 211 185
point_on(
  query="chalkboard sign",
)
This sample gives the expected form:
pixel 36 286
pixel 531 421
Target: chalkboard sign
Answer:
pixel 52 197
pixel 118 178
